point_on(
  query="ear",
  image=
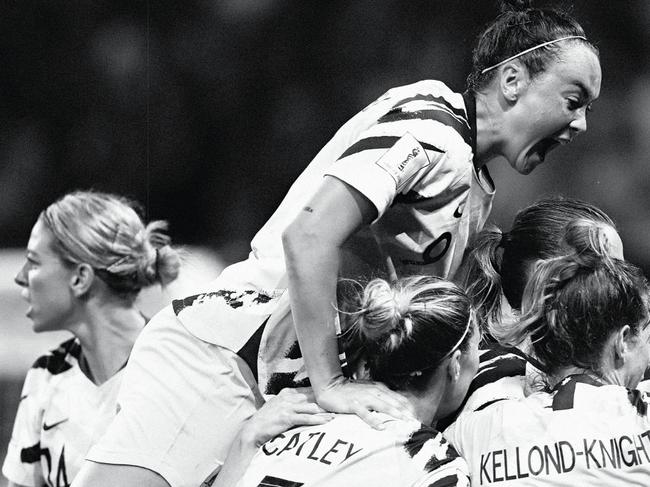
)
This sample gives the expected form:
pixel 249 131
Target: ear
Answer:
pixel 622 344
pixel 513 80
pixel 453 367
pixel 81 279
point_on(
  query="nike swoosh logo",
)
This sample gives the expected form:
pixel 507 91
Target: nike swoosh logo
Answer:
pixel 457 212
pixel 23 397
pixel 53 425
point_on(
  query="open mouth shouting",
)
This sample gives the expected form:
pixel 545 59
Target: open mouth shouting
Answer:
pixel 543 147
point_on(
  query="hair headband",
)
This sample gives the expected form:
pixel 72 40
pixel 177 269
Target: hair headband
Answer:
pixel 445 356
pixel 543 44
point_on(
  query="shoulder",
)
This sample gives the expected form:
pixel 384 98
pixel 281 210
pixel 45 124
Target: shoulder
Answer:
pixel 60 359
pixel 429 447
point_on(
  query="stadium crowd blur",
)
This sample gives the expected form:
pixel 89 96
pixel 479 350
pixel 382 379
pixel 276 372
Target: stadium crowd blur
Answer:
pixel 206 110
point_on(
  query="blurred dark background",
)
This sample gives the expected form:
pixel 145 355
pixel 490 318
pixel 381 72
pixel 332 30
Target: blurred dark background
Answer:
pixel 206 110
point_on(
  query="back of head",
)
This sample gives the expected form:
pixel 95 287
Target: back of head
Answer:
pixel 105 232
pixel 408 327
pixel 520 27
pixel 574 303
pixel 500 263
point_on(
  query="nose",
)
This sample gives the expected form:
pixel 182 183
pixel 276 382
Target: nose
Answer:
pixel 579 123
pixel 21 277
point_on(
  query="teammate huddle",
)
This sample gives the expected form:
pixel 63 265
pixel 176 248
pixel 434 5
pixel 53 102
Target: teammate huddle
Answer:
pixel 356 377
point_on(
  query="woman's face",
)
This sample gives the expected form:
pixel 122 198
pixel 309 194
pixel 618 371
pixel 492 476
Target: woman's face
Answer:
pixel 551 108
pixel 45 280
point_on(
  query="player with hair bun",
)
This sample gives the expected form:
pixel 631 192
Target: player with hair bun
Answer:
pixel 402 188
pixel 420 340
pixel 495 274
pixel 586 316
pixel 88 257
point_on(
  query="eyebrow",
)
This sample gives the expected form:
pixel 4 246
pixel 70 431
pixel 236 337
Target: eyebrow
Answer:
pixel 584 91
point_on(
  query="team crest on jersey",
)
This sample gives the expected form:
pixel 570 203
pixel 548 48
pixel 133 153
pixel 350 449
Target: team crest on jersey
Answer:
pixel 403 161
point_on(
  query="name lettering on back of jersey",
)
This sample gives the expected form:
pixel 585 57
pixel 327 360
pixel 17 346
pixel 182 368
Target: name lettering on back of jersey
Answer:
pixel 312 446
pixel 403 161
pixel 563 457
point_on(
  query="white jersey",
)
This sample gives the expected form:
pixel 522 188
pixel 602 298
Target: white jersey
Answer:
pixel 582 433
pixel 411 154
pixel 60 415
pixel 346 451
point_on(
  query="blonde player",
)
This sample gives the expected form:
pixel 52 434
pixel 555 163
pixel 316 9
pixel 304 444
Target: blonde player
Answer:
pixel 587 316
pixel 420 339
pixel 400 189
pixel 88 256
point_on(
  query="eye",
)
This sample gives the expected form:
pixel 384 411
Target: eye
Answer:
pixel 574 103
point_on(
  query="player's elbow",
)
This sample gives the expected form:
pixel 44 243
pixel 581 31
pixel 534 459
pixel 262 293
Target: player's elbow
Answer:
pixel 297 239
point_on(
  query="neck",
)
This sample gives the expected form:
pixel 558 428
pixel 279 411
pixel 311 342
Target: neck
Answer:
pixel 107 334
pixel 565 372
pixel 488 128
pixel 426 405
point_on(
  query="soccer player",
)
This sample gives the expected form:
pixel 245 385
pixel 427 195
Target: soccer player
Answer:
pixel 587 317
pixel 495 275
pixel 88 256
pixel 400 189
pixel 420 339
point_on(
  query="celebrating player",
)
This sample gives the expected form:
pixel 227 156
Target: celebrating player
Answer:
pixel 587 317
pixel 88 256
pixel 495 275
pixel 400 189
pixel 420 339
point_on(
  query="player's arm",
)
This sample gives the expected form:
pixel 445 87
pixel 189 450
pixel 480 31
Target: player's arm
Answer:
pixel 312 245
pixel 291 407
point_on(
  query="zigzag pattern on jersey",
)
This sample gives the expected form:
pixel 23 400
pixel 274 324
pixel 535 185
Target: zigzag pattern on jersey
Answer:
pixel 57 361
pixel 293 371
pixel 498 362
pixel 234 298
pixel 565 392
pixel 430 107
pixel 385 142
pixel 435 446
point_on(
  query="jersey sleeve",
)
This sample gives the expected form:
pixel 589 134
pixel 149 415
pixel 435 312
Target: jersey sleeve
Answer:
pixel 417 139
pixel 22 464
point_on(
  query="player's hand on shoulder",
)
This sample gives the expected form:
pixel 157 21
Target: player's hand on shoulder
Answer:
pixel 363 398
pixel 291 407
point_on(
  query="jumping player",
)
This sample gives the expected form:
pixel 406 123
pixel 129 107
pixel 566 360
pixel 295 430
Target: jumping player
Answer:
pixel 587 317
pixel 402 188
pixel 421 341
pixel 88 256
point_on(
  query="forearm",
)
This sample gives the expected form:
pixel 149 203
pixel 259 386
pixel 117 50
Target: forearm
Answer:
pixel 312 267
pixel 240 455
